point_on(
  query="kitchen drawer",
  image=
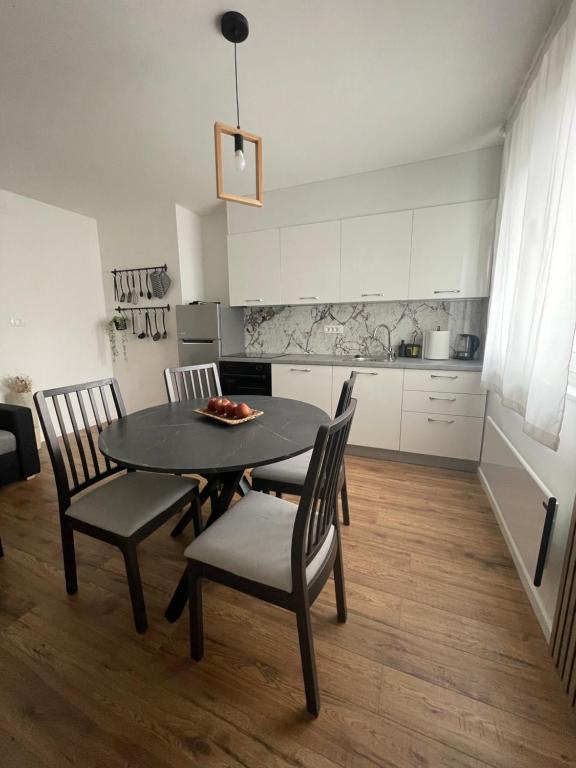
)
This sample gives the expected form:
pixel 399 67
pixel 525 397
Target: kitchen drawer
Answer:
pixel 309 383
pixel 457 437
pixel 453 403
pixel 444 381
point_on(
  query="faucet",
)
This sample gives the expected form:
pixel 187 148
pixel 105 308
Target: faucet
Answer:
pixel 388 351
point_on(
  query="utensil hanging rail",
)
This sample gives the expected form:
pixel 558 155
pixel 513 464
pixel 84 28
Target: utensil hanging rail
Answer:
pixel 143 309
pixel 138 269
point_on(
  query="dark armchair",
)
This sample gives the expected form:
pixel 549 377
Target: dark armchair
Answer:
pixel 18 452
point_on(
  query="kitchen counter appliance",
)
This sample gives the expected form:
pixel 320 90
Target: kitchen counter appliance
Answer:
pixel 245 378
pixel 466 346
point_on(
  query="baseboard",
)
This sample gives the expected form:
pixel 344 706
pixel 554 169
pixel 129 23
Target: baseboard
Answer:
pixel 443 462
pixel 526 579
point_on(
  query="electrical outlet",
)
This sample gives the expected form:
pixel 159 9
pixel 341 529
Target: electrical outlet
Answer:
pixel 333 329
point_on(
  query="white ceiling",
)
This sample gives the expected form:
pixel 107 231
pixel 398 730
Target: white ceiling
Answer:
pixel 105 101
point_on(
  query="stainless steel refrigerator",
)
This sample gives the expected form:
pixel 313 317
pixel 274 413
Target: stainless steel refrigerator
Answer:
pixel 208 330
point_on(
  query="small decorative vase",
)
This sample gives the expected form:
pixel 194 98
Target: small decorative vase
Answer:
pixel 25 399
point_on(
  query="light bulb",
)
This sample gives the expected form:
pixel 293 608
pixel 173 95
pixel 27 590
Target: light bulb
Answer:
pixel 239 160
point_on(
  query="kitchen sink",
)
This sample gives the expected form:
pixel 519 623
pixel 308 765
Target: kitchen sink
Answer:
pixel 362 359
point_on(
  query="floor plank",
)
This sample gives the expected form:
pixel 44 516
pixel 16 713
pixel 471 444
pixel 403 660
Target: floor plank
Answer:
pixel 441 664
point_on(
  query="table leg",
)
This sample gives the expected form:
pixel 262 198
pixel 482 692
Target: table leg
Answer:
pixel 230 482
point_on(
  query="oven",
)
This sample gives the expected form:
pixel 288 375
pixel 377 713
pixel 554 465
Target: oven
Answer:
pixel 245 378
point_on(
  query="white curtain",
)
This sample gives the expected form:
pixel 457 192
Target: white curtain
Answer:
pixel 532 314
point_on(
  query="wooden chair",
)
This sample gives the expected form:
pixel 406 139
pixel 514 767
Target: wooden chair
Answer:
pixel 289 476
pixel 189 381
pixel 122 512
pixel 185 383
pixel 279 552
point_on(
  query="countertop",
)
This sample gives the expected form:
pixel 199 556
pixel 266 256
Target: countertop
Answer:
pixel 348 360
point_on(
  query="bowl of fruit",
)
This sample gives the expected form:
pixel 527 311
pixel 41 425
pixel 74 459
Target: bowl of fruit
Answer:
pixel 228 412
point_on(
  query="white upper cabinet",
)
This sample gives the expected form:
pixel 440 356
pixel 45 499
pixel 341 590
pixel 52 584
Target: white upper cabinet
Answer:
pixel 310 257
pixel 254 268
pixel 375 264
pixel 451 250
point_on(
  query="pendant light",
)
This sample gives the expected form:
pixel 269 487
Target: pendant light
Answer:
pixel 234 27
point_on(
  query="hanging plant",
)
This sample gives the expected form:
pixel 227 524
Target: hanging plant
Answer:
pixel 117 328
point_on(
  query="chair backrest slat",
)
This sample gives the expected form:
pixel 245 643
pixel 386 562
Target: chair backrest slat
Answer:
pixel 76 432
pixel 317 510
pixel 88 432
pixel 187 382
pixel 77 435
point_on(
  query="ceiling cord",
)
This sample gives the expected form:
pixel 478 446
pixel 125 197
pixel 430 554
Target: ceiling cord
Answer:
pixel 236 80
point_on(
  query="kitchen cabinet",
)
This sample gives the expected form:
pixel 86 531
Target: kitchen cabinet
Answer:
pixel 451 250
pixel 378 411
pixel 310 383
pixel 375 259
pixel 443 413
pixel 310 259
pixel 254 268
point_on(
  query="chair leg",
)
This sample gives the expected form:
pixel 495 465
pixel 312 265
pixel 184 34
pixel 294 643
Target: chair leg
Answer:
pixel 308 658
pixel 278 494
pixel 187 517
pixel 345 506
pixel 69 554
pixel 135 586
pixel 196 614
pixel 196 508
pixel 1 549
pixel 339 584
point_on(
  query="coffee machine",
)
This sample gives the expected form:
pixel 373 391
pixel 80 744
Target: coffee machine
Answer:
pixel 466 346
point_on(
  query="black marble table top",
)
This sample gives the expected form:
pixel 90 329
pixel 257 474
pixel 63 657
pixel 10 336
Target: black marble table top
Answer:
pixel 172 438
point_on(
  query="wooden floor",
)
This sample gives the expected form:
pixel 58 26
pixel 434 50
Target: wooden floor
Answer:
pixel 441 664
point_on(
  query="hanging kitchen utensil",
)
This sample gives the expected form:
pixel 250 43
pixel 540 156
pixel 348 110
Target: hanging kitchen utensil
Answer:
pixel 134 291
pixel 165 333
pixel 140 281
pixel 148 326
pixel 157 335
pixel 160 282
pixel 123 292
pixel 141 335
pixel 149 293
pixel 129 294
pixel 115 289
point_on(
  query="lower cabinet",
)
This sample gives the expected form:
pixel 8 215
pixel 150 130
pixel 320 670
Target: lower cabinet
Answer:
pixel 309 383
pixel 443 414
pixel 379 394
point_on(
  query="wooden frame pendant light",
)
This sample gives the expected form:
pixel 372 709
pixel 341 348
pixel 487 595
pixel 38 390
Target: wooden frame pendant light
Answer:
pixel 234 27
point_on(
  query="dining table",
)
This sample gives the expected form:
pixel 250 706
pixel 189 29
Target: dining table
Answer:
pixel 174 438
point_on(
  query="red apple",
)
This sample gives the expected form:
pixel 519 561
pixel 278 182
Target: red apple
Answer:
pixel 243 410
pixel 212 403
pixel 221 405
pixel 231 410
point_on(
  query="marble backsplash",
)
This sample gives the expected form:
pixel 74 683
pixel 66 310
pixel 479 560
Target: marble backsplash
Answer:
pixel 300 329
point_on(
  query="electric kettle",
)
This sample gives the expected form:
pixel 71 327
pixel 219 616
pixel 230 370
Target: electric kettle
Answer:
pixel 466 346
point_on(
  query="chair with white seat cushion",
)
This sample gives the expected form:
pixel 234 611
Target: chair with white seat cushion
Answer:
pixel 288 476
pixel 123 511
pixel 279 552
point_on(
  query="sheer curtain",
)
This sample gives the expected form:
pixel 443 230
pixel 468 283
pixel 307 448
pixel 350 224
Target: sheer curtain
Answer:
pixel 532 314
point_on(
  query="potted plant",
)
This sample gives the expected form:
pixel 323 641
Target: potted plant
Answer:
pixel 117 328
pixel 19 392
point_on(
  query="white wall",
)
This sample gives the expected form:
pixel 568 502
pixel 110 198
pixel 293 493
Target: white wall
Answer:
pixel 456 178
pixel 189 234
pixel 215 256
pixel 50 277
pixel 139 236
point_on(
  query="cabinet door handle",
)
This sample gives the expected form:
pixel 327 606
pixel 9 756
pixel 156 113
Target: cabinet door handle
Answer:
pixel 366 373
pixel 450 291
pixel 444 421
pixel 304 298
pixel 448 399
pixel 440 376
pixel 366 295
pixel 253 299
pixel 301 370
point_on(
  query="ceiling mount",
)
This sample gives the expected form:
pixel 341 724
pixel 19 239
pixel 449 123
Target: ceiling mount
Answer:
pixel 234 26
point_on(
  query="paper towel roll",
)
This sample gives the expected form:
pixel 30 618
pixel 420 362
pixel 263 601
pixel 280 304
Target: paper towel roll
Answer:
pixel 436 345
